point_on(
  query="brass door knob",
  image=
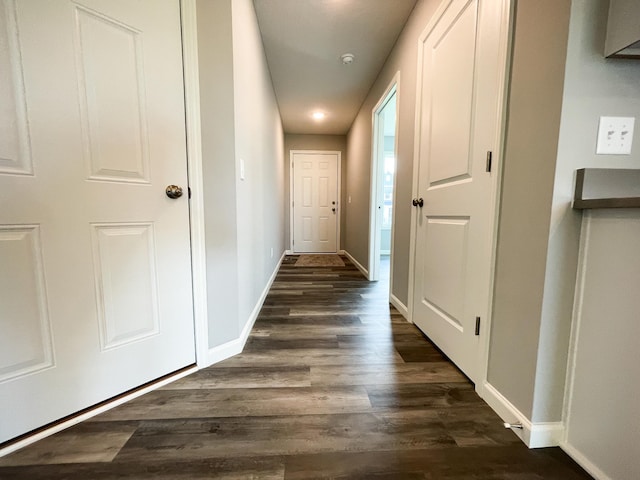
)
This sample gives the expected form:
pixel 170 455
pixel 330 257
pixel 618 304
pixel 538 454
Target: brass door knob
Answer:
pixel 173 191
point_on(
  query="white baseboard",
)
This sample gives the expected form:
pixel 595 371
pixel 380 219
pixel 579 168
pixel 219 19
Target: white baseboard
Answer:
pixel 401 307
pixel 235 346
pixel 363 270
pixel 288 252
pixel 585 463
pixel 534 435
pixel 224 351
pixel 93 412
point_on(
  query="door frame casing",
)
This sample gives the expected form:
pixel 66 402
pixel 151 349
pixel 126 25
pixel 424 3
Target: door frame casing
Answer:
pixel 393 88
pixel 506 37
pixel 339 192
pixel 188 15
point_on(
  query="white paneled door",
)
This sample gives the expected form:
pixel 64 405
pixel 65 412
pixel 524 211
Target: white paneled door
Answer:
pixel 458 123
pixel 95 281
pixel 315 201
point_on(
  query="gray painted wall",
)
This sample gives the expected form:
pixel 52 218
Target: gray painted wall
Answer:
pixel 215 58
pixel 259 143
pixel 594 87
pixel 548 138
pixel 240 120
pixel 315 142
pixel 534 108
pixel 403 59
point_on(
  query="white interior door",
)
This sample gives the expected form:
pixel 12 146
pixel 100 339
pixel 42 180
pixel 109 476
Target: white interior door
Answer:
pixel 315 202
pixel 459 116
pixel 95 282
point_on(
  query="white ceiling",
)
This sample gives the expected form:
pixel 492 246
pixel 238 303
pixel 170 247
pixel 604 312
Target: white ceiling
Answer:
pixel 303 42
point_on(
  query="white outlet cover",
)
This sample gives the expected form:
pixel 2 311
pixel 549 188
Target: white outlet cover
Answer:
pixel 615 135
pixel 241 169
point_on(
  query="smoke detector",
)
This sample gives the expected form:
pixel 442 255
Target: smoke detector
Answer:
pixel 347 58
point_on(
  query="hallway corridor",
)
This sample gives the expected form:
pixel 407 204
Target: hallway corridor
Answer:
pixel 333 383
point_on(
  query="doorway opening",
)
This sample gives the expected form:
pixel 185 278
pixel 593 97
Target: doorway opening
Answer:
pixel 383 176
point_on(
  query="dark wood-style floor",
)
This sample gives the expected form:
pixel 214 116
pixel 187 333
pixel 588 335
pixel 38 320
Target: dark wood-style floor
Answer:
pixel 333 383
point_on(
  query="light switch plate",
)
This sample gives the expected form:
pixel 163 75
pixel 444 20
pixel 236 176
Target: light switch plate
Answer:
pixel 615 135
pixel 241 169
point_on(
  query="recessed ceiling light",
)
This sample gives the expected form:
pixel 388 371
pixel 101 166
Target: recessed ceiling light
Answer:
pixel 347 58
pixel 318 115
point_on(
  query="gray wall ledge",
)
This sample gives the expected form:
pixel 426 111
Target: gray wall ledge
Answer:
pixel 607 188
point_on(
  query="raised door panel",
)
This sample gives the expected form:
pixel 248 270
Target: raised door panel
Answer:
pixel 15 148
pixel 126 290
pixel 451 98
pixel 25 342
pixel 112 98
pixel 307 229
pixel 445 250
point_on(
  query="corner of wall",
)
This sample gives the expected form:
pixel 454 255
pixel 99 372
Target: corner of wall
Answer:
pixel 534 435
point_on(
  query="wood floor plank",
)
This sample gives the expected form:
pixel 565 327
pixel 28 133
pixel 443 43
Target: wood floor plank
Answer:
pixel 487 463
pixel 165 441
pixel 247 377
pixel 241 468
pixel 394 374
pixel 436 395
pixel 82 443
pixel 256 344
pixel 165 404
pixel 312 356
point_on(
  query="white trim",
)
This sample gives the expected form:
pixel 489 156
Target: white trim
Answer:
pixel 576 322
pixel 224 351
pixel 194 173
pixel 393 88
pixel 358 265
pixel 584 462
pixel 507 22
pixel 401 307
pixel 291 195
pixel 94 412
pixel 235 346
pixel 576 319
pixel 534 435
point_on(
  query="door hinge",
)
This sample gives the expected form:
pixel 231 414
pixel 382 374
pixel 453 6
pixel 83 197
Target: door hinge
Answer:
pixel 489 160
pixel 477 325
pixel 189 191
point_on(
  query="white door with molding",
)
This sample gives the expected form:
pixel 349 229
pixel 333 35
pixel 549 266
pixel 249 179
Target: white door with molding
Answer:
pixel 314 209
pixel 462 67
pixel 95 278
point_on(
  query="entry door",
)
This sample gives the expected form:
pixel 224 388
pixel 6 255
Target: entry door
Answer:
pixel 95 282
pixel 458 125
pixel 315 202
